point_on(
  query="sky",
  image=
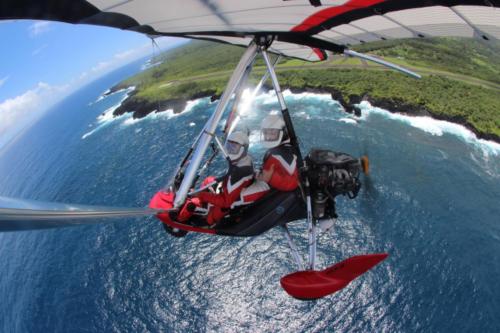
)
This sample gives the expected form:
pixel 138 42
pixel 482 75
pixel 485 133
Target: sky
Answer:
pixel 41 62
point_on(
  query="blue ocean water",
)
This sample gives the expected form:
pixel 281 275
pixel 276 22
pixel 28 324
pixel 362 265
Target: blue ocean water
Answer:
pixel 434 207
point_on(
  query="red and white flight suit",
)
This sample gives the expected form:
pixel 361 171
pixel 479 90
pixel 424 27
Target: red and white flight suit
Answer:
pixel 239 175
pixel 279 169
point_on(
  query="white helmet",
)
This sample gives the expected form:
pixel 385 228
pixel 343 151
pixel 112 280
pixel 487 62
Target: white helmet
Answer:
pixel 272 131
pixel 236 145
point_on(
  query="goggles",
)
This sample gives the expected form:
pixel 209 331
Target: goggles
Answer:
pixel 232 147
pixel 271 134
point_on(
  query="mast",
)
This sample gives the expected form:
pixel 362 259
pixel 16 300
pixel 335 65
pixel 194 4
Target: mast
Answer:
pixel 211 125
pixel 265 42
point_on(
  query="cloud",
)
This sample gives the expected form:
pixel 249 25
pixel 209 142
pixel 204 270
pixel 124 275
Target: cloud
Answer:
pixel 3 80
pixel 125 55
pixel 83 76
pixel 122 58
pixel 19 112
pixel 39 28
pixel 38 50
pixel 117 60
pixel 101 66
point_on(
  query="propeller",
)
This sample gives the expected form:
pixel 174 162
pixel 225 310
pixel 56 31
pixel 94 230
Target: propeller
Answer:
pixel 20 214
pixel 369 191
pixel 365 167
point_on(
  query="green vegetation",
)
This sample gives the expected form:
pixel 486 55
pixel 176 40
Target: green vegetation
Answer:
pixel 445 98
pixel 471 97
pixel 471 57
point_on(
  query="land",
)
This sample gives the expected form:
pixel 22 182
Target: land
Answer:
pixel 461 80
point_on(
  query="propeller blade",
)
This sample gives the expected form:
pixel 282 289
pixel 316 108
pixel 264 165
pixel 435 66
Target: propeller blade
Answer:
pixel 20 214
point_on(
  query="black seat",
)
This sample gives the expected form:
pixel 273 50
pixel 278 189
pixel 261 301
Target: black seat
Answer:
pixel 275 208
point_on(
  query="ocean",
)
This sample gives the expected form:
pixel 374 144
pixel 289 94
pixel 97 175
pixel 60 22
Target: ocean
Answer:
pixel 433 206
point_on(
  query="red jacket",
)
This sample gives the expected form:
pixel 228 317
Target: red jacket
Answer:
pixel 286 175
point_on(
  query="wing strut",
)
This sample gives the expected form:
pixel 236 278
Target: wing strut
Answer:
pixel 20 214
pixel 382 62
pixel 212 123
pixel 293 140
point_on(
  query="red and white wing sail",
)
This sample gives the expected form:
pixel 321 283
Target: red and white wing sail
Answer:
pixel 302 28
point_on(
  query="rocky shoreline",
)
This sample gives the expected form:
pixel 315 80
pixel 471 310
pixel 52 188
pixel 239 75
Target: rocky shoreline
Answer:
pixel 141 108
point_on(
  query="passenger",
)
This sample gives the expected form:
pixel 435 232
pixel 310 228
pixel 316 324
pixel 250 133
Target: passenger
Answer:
pixel 279 169
pixel 240 174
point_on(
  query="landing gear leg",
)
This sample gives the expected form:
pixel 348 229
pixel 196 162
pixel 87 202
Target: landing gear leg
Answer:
pixel 295 252
pixel 312 244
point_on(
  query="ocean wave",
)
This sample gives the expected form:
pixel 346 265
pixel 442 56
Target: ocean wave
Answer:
pixel 435 127
pixel 190 105
pixel 165 114
pixel 169 113
pixel 348 120
pixel 270 97
pixel 107 117
pixel 107 94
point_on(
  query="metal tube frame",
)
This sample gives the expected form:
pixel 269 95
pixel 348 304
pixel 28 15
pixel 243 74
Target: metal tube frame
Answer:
pixel 254 93
pixel 237 98
pixel 221 147
pixel 293 247
pixel 293 140
pixel 383 63
pixel 211 125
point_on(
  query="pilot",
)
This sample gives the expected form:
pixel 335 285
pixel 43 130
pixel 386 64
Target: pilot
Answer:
pixel 279 169
pixel 239 175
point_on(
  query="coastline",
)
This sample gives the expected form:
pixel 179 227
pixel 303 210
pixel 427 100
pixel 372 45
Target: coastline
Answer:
pixel 141 108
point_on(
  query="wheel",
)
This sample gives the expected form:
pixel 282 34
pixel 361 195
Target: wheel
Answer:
pixel 174 231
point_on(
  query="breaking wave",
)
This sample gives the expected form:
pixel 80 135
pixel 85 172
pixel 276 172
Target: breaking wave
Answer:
pixel 107 117
pixel 348 120
pixel 434 127
pixel 165 114
pixel 107 94
pixel 427 124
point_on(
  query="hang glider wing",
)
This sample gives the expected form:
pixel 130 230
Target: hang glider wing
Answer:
pixel 303 29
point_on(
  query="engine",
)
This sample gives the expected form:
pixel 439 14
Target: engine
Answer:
pixel 331 174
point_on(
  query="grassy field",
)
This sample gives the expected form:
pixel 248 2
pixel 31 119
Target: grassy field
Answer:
pixel 470 57
pixel 461 78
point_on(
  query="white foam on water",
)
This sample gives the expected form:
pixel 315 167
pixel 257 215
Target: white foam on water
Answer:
pixel 107 117
pixel 348 120
pixel 153 115
pixel 270 97
pixel 191 104
pixel 88 134
pixel 303 114
pixel 164 114
pixel 107 94
pixel 308 95
pixel 435 127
